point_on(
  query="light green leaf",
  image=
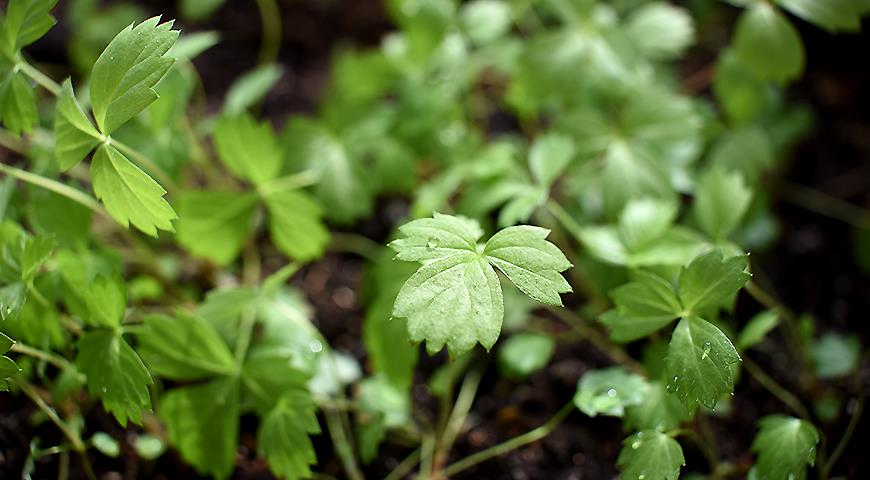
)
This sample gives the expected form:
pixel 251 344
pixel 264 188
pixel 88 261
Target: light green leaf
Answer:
pixel 75 136
pixel 128 193
pixel 215 225
pixel 645 220
pixel 17 103
pixel 643 306
pixel 836 355
pixel 270 370
pixel 721 199
pixel 660 30
pixel 191 45
pixel 25 22
pixel 658 411
pixel 549 156
pixel 701 363
pixel 436 238
pixel 248 148
pixel 532 263
pixel 525 353
pixel 107 445
pixel 785 446
pixel 105 300
pixel 485 20
pixel 203 424
pixel 124 75
pixel 768 44
pixel 148 446
pixel 738 89
pixel 650 455
pixel 757 328
pixel 609 391
pixel 295 224
pixel 251 87
pixel 605 244
pixel 833 15
pixel 199 9
pixel 283 437
pixel 710 280
pixel 115 374
pixel 183 348
pixel 747 150
pixel 455 301
pixel 53 214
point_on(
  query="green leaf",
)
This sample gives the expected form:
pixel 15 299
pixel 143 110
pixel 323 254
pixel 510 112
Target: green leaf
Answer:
pixel 251 87
pixel 148 446
pixel 768 44
pixel 832 15
pixel 128 193
pixel 75 136
pixel 836 355
pixel 199 9
pixel 650 455
pixel 645 220
pixel 485 20
pixel 609 391
pixel 701 363
pixel 436 238
pixel 17 103
pixel 549 156
pixel 660 30
pixel 115 374
pixel 202 422
pixel 183 348
pixel 26 21
pixel 107 445
pixel 8 368
pixel 124 75
pixel 270 370
pixel 215 225
pixel 283 436
pixel 191 45
pixel 532 263
pixel 738 89
pixel 295 224
pixel 525 353
pixel 248 148
pixel 747 150
pixel 710 280
pixel 5 343
pixel 785 446
pixel 106 301
pixel 53 214
pixel 643 306
pixel 721 200
pixel 757 328
pixel 658 411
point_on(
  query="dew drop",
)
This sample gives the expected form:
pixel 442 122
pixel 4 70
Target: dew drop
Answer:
pixel 105 389
pixel 641 476
pixel 706 352
pixel 611 393
pixel 315 346
pixel 636 444
pixel 432 243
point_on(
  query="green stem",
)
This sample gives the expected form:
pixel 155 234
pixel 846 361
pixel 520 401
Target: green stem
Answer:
pixel 776 389
pixel 512 444
pixel 461 407
pixel 164 178
pixel 844 440
pixel 791 321
pixel 563 217
pixel 42 79
pixel 77 444
pixel 342 445
pixel 59 188
pixel 404 466
pixel 12 142
pixel 355 243
pixel 270 16
pixel 47 357
pixel 824 204
pixel 290 182
pixel 596 338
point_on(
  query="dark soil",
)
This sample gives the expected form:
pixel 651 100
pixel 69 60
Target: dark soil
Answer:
pixel 811 267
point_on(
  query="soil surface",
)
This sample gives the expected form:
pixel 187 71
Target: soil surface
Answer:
pixel 811 267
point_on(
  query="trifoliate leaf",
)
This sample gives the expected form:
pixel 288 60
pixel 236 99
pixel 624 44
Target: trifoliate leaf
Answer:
pixel 643 306
pixel 248 148
pixel 833 15
pixel 757 328
pixel 609 391
pixel 251 87
pixel 128 193
pixel 549 156
pixel 835 355
pixel 701 364
pixel 295 224
pixel 183 348
pixel 525 353
pixel 721 199
pixel 768 44
pixel 785 446
pixel 75 136
pixel 124 75
pixel 115 374
pixel 436 238
pixel 25 22
pixel 203 424
pixel 711 279
pixel 660 30
pixel 659 410
pixel 283 437
pixel 650 455
pixel 215 225
pixel 532 263
pixel 17 103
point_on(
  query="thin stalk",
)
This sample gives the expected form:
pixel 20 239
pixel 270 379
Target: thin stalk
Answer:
pixel 461 407
pixel 270 16
pixel 77 444
pixel 342 445
pixel 564 218
pixel 290 182
pixel 12 142
pixel 250 277
pixel 427 452
pixel 47 357
pixel 355 243
pixel 59 188
pixel 596 338
pixel 774 388
pixel 512 444
pixel 42 79
pixel 768 300
pixel 826 205
pixel 844 440
pixel 404 466
pixel 164 178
